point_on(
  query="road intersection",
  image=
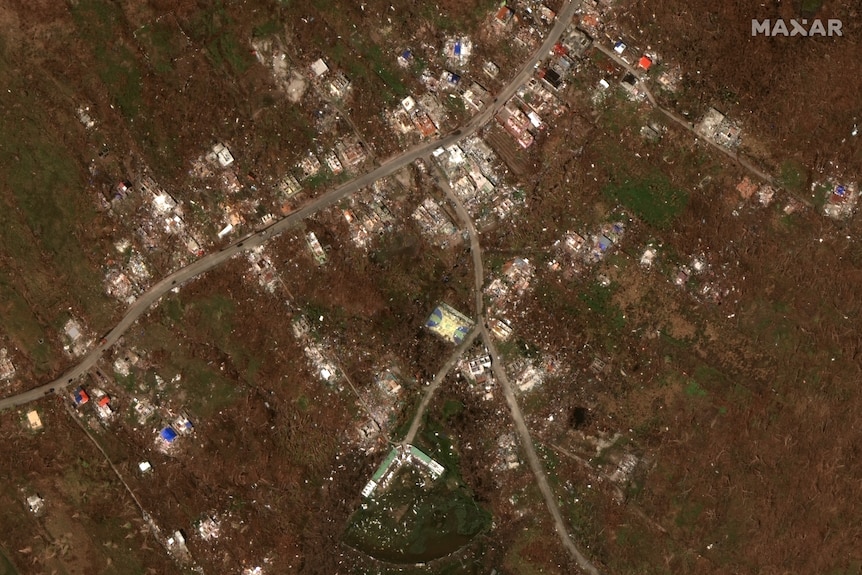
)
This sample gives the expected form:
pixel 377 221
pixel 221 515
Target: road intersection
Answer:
pixel 386 168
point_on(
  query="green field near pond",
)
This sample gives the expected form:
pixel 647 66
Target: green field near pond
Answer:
pixel 409 523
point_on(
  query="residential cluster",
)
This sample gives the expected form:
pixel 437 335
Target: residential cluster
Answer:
pixel 380 401
pixel 129 277
pixel 436 223
pixel 476 175
pixel 716 127
pixel 167 218
pixel 575 252
pixel 477 371
pixel 7 368
pixel 263 270
pixel 507 452
pixel 368 215
pixel 505 292
pixel 839 199
pixel 77 342
pixel 317 353
pixel 522 116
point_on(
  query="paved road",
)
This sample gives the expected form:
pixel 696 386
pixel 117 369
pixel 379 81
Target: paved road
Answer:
pixel 565 16
pixel 533 458
pixel 435 383
pixel 477 291
pixel 741 160
pixel 211 261
pixel 500 374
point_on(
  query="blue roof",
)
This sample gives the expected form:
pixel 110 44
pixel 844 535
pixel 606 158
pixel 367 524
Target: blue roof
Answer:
pixel 604 243
pixel 168 434
pixel 407 55
pixel 839 190
pixel 457 48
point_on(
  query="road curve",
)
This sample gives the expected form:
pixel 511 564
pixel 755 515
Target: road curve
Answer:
pixel 213 260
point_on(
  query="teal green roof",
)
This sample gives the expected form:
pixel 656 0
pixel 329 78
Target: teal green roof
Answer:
pixel 381 471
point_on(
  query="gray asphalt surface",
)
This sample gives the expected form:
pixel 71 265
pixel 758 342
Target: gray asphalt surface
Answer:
pixel 388 167
pixel 741 160
pixel 211 261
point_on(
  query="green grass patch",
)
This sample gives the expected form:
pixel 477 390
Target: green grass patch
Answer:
pixel 409 523
pixel 793 176
pixel 162 43
pixel 119 71
pixel 467 16
pixel 320 179
pixel 216 315
pixel 41 185
pixel 653 198
pixel 452 408
pixel 693 389
pixel 207 390
pixel 370 63
pixel 268 28
pixel 688 514
pixel 809 7
pixel 599 299
pixel 6 567
pixel 821 194
pixel 101 23
pixel 22 325
pixel 619 113
pixel 225 51
pixel 214 28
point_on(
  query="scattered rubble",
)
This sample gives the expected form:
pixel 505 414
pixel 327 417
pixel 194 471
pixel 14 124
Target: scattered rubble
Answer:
pixel 839 199
pixel 7 369
pixel 715 127
pixel 36 504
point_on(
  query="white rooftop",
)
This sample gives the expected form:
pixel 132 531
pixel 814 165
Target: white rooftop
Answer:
pixel 319 68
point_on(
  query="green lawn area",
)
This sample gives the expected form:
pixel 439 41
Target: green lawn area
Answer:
pixel 101 23
pixel 6 567
pixel 162 42
pixel 213 27
pixel 43 236
pixel 411 524
pixel 653 198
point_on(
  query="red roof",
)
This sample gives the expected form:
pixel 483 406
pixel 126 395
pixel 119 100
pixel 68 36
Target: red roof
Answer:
pixel 104 400
pixel 645 62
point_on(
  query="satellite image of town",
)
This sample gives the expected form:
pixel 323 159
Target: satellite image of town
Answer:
pixel 434 287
